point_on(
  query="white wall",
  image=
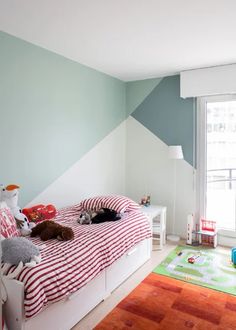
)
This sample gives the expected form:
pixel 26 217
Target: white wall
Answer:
pixel 100 171
pixel 149 170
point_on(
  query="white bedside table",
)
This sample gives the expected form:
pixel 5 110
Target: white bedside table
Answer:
pixel 157 217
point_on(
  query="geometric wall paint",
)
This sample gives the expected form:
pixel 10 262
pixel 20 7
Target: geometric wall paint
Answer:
pixel 53 111
pixel 168 116
pixel 101 171
pixel 150 171
pixel 137 91
pixel 56 116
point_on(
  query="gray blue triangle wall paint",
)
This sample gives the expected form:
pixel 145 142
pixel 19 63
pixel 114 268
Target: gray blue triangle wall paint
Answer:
pixel 169 116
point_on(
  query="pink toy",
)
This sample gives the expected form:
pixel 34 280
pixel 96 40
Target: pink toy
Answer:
pixel 204 233
pixel 208 232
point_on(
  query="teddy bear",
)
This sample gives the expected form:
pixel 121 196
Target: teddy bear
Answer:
pixel 50 229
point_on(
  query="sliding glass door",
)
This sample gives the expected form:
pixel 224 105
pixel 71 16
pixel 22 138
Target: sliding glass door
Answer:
pixel 217 159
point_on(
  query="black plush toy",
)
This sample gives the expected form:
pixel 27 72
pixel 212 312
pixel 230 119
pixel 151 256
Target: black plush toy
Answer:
pixel 102 215
pixel 105 215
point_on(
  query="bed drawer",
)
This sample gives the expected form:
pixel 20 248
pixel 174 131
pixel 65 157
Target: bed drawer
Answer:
pixel 127 264
pixel 74 308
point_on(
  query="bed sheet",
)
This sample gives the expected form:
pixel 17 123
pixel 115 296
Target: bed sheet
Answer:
pixel 68 266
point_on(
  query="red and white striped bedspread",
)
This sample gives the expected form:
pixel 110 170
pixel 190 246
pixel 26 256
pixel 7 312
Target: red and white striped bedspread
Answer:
pixel 67 266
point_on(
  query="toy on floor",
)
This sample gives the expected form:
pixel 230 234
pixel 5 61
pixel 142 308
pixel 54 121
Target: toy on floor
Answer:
pixel 192 259
pixel 9 195
pixel 233 256
pixel 39 213
pixel 19 251
pixel 208 232
pixel 192 236
pixel 205 233
pixel 50 229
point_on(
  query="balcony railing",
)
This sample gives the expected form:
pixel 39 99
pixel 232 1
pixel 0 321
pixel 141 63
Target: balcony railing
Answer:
pixel 224 175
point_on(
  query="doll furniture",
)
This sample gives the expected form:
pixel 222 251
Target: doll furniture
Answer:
pixel 207 232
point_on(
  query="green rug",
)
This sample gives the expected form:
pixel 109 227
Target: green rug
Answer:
pixel 211 268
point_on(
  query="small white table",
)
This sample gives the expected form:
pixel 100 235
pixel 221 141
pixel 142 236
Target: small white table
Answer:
pixel 157 218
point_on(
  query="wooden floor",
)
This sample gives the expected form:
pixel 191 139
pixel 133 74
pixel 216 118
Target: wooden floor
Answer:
pixel 99 312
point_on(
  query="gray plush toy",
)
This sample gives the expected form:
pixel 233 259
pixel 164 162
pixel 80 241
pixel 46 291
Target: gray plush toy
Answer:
pixel 16 250
pixel 85 218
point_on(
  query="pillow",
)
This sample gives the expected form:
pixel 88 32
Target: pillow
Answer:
pixel 7 222
pixel 93 203
pixel 117 203
pixel 133 206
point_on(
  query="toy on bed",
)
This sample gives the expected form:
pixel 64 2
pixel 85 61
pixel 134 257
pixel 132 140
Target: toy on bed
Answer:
pixel 102 215
pixel 50 229
pixel 19 251
pixel 9 195
pixel 39 213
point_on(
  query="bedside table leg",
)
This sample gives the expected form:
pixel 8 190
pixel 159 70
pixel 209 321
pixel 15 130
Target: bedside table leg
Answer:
pixel 164 237
pixel 161 241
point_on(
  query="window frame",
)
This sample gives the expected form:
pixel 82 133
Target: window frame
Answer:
pixel 201 155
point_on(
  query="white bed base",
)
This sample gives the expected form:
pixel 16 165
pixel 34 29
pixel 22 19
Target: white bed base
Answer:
pixel 65 314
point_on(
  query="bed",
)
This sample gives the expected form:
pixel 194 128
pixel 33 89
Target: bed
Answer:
pixel 74 276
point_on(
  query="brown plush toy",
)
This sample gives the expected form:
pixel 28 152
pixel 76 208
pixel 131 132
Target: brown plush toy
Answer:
pixel 51 229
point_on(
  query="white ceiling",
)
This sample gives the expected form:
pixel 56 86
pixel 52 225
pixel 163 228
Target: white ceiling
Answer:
pixel 128 39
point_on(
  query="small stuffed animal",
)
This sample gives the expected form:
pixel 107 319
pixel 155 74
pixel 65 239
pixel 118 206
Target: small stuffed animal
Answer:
pixel 85 218
pixel 9 194
pixel 23 223
pixel 102 215
pixel 39 213
pixel 16 250
pixel 50 229
pixel 105 214
pixel 145 200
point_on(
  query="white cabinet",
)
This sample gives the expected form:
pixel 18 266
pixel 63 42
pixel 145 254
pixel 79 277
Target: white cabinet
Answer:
pixel 157 217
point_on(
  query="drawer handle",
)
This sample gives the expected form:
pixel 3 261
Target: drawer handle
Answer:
pixel 131 252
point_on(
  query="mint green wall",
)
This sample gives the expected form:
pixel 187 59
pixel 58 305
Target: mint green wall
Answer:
pixel 53 111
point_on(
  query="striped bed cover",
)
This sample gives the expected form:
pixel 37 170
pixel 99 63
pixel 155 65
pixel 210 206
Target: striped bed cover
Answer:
pixel 68 266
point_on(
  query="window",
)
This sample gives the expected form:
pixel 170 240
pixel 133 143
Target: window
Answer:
pixel 217 160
